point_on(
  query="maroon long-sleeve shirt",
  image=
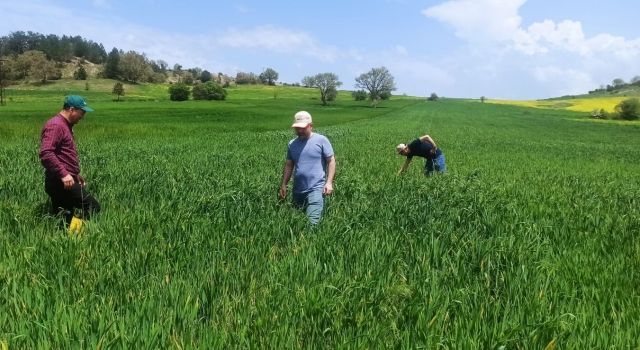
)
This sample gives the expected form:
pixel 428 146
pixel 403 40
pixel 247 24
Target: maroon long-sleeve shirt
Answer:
pixel 58 152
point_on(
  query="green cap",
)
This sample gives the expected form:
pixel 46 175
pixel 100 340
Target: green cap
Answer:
pixel 76 101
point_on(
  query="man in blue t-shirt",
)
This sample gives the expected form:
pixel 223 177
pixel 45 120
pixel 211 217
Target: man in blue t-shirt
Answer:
pixel 309 158
pixel 425 147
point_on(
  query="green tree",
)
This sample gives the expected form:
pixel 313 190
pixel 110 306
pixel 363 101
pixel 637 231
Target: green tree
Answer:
pixel 205 76
pixel 179 92
pixel 195 72
pixel 4 72
pixel 433 97
pixel 209 91
pixel 134 67
pixel 32 63
pixel 378 82
pixel 246 78
pixel 359 95
pixel 177 72
pixel 35 64
pixel 159 66
pixel 118 90
pixel 80 73
pixel 629 109
pixel 269 76
pixel 327 83
pixel 331 94
pixel 112 65
pixel 618 82
pixel 308 82
pixel 187 77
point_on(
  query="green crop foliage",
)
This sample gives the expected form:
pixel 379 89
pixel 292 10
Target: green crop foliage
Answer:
pixel 529 241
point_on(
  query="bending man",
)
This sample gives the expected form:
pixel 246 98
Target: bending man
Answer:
pixel 425 147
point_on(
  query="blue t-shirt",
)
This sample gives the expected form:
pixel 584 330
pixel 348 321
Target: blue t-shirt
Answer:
pixel 309 158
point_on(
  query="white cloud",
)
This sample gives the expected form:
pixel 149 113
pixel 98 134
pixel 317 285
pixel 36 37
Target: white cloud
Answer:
pixel 540 37
pixel 479 20
pixel 498 21
pixel 552 57
pixel 568 36
pixel 279 40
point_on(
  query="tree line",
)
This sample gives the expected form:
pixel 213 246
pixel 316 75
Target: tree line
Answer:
pixel 42 57
pixel 55 48
pixel 617 84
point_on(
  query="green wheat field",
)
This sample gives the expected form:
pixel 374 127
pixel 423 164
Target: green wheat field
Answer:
pixel 530 241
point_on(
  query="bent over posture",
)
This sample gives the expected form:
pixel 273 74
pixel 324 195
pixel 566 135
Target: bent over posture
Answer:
pixel 59 156
pixel 425 147
pixel 309 158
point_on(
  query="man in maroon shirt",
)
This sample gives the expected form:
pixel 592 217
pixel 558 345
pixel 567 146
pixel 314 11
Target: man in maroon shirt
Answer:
pixel 59 156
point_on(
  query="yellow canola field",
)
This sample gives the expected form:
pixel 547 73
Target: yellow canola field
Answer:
pixel 572 104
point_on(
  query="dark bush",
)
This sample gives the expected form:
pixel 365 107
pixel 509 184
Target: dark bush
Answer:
pixel 331 94
pixel 628 109
pixel 80 73
pixel 209 91
pixel 179 92
pixel 359 95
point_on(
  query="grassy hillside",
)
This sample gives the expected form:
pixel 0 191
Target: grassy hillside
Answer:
pixel 528 242
pixel 585 105
pixel 580 103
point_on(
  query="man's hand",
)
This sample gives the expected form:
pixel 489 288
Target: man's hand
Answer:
pixel 282 192
pixel 68 182
pixel 82 181
pixel 328 189
pixel 433 150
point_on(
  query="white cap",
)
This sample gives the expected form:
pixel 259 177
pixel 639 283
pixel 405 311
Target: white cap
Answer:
pixel 400 147
pixel 301 119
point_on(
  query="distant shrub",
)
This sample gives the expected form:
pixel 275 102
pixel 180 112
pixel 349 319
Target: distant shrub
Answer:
pixel 80 73
pixel 433 97
pixel 599 114
pixel 385 95
pixel 359 95
pixel 331 94
pixel 209 91
pixel 246 78
pixel 628 109
pixel 179 92
pixel 157 77
pixel 118 90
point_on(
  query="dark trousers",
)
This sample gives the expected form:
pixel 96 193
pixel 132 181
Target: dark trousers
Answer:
pixel 67 201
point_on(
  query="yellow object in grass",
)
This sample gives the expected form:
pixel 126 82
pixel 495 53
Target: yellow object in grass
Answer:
pixel 76 226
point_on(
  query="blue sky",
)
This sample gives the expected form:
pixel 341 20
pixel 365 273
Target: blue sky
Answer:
pixel 514 49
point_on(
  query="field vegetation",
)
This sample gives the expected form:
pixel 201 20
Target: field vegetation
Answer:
pixel 584 104
pixel 528 242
